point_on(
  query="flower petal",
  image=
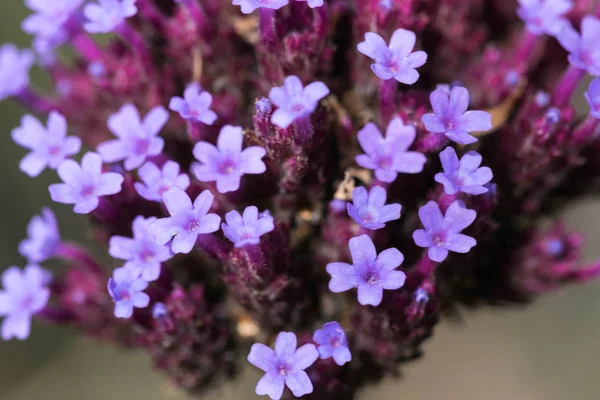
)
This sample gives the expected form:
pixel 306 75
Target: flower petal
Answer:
pixel 262 357
pixel 369 294
pixel 362 249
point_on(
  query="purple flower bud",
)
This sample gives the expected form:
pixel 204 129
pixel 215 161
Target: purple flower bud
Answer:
pixel 159 310
pixel 14 69
pixel 369 209
pixel 49 18
pixel 49 145
pixel 247 229
pixel 250 5
pixel 592 95
pixel 156 181
pixel 195 105
pixel 106 15
pixel 542 99
pixel 43 238
pixel 137 139
pixel 450 116
pixel 313 3
pixel 584 50
pixel 442 233
pixel 544 17
pixel 85 183
pixel 464 175
pixel 24 294
pixel 126 289
pixel 397 60
pixel 332 343
pixel 284 366
pixel 370 273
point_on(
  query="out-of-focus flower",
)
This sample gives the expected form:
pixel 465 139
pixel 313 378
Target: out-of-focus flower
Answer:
pixel 43 238
pixel 157 181
pixel 195 105
pixel 544 17
pixel 583 48
pixel 592 95
pixel 14 69
pixel 105 15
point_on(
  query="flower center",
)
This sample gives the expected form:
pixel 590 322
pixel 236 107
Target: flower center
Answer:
pixel 335 341
pixel 54 150
pixel 298 108
pixel 192 225
pixel 371 277
pixel 386 161
pixel 124 294
pixel 147 255
pixel 439 239
pixel 227 166
pixel 87 191
pixel 163 188
pixel 367 215
pixel 141 146
pixel 27 301
pixel 283 369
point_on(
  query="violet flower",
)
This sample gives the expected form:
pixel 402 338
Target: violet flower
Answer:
pixel 195 105
pixel 246 229
pixel 464 175
pixel 105 15
pixel 43 238
pixel 157 181
pixel 450 116
pixel 187 220
pixel 84 184
pixel 227 162
pixel 592 95
pixel 284 366
pixel 332 342
pixel 25 293
pixel 14 69
pixel 249 6
pixel 126 289
pixel 369 209
pixel 583 48
pixel 544 17
pixel 49 18
pixel 442 232
pixel 49 145
pixel 137 139
pixel 397 60
pixel 370 273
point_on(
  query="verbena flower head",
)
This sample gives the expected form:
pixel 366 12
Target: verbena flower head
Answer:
pixel 592 95
pixel 156 181
pixel 137 139
pixel 442 232
pixel 187 220
pixel 143 255
pixel 246 229
pixel 370 273
pixel 583 48
pixel 388 156
pixel 49 17
pixel 464 175
pixel 284 366
pixel 544 17
pixel 227 162
pixel 450 116
pixel 43 238
pixel 248 6
pixel 369 210
pixel 14 69
pixel 332 342
pixel 105 15
pixel 295 101
pixel 397 60
pixel 24 294
pixel 84 184
pixel 49 145
pixel 195 105
pixel 126 289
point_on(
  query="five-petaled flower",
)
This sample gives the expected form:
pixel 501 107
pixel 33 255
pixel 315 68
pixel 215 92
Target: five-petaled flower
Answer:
pixel 246 229
pixel 106 15
pixel 49 145
pixel 442 232
pixel 284 366
pixel 544 17
pixel 14 69
pixel 85 183
pixel 370 273
pixel 450 116
pixel 249 6
pixel 157 181
pixel 49 19
pixel 592 95
pixel 464 175
pixel 227 162
pixel 126 289
pixel 195 105
pixel 43 238
pixel 397 60
pixel 583 48
pixel 332 342
pixel 369 210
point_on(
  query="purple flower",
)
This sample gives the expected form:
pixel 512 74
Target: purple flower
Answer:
pixel 14 69
pixel 25 293
pixel 83 185
pixel 544 17
pixel 250 5
pixel 584 50
pixel 295 101
pixel 137 139
pixel 464 175
pixel 187 221
pixel 388 156
pixel 43 238
pixel 284 366
pixel 450 116
pixel 369 209
pixel 592 95
pixel 157 181
pixel 106 15
pixel 442 233
pixel 159 310
pixel 49 18
pixel 49 145
pixel 227 162
pixel 126 289
pixel 332 343
pixel 397 60
pixel 313 3
pixel 195 105
pixel 247 229
pixel 370 273
pixel 142 253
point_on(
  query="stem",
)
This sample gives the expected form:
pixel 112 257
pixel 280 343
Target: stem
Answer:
pixel 267 25
pixel 55 315
pixel 87 47
pixel 213 246
pixel 387 94
pixel 196 12
pixel 303 128
pixel 149 11
pixel 566 86
pixel 526 47
pixel 195 131
pixel 34 101
pixel 135 41
pixel 586 130
pixel 74 253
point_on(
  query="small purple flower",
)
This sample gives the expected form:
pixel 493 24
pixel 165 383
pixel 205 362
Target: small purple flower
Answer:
pixel 247 229
pixel 442 233
pixel 464 175
pixel 105 15
pixel 137 139
pixel 43 238
pixel 370 273
pixel 187 221
pixel 544 17
pixel 313 3
pixel 14 69
pixel 450 116
pixel 388 156
pixel 284 366
pixel 332 343
pixel 195 105
pixel 159 310
pixel 83 185
pixel 295 101
pixel 126 289
pixel 142 253
pixel 397 60
pixel 156 181
pixel 25 294
pixel 584 50
pixel 227 162
pixel 250 5
pixel 592 95
pixel 369 209
pixel 49 145
pixel 49 18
